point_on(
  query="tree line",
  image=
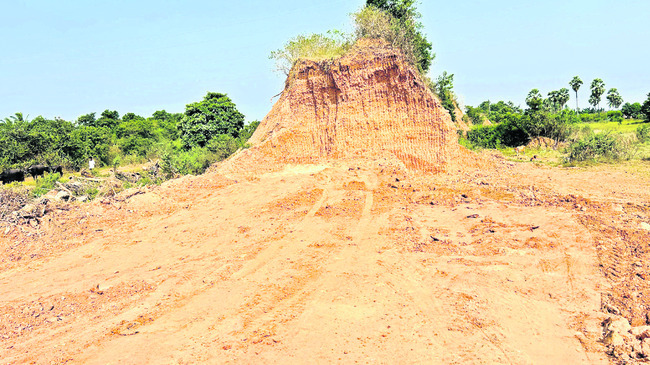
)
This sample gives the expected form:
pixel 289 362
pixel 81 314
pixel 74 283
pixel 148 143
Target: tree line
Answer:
pixel 212 126
pixel 550 117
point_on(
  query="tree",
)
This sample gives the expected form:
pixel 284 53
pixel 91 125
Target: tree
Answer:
pixel 575 84
pixel 597 90
pixel 632 110
pixel 645 108
pixel 406 15
pixel 553 99
pixel 443 87
pixel 110 114
pixel 614 99
pixel 557 99
pixel 17 118
pixel 87 119
pixel 563 97
pixel 215 115
pixel 108 119
pixel 135 134
pixel 534 100
pixel 167 123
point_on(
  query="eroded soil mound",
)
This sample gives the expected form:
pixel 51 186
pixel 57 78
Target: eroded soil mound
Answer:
pixel 368 103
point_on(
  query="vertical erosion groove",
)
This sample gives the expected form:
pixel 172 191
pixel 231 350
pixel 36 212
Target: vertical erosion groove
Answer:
pixel 368 102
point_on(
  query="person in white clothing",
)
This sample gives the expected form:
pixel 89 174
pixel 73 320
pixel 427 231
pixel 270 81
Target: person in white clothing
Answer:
pixel 91 164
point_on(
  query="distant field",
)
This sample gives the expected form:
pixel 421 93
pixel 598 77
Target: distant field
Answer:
pixel 627 126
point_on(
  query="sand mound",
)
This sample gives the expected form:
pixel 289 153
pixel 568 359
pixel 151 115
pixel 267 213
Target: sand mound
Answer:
pixel 368 103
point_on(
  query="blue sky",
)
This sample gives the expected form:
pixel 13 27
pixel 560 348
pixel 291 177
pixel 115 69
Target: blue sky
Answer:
pixel 69 58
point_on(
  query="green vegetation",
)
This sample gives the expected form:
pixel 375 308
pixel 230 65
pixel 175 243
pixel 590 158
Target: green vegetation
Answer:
pixel 575 84
pixel 209 131
pixel 394 21
pixel 443 88
pixel 614 99
pixel 632 111
pixel 404 21
pixel 215 115
pixel 643 133
pixel 316 47
pixel 645 108
pixel 597 146
pixel 591 135
pixel 597 90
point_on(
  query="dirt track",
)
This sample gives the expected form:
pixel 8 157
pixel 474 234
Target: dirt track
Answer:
pixel 353 262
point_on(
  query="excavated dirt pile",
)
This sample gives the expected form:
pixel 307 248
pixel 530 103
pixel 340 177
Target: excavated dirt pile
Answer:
pixel 368 103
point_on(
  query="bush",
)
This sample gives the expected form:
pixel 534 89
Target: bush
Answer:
pixel 222 146
pixel 45 184
pixel 596 146
pixel 315 47
pixel 404 35
pixel 406 30
pixel 474 115
pixel 508 133
pixel 643 133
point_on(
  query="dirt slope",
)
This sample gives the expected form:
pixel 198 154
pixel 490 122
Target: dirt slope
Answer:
pixel 331 240
pixel 325 263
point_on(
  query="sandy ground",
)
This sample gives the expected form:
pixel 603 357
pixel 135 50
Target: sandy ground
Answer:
pixel 348 262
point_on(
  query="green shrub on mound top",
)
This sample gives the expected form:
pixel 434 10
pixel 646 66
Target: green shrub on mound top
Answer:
pixel 315 47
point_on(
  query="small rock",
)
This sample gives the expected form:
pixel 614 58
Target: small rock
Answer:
pixel 82 198
pixel 611 309
pixel 32 211
pixel 613 338
pixel 641 332
pixel 644 225
pixel 62 195
pixel 620 325
pixel 645 347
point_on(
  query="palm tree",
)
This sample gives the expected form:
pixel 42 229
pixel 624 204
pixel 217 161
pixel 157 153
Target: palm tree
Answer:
pixel 534 100
pixel 597 90
pixel 614 99
pixel 16 118
pixel 563 97
pixel 575 84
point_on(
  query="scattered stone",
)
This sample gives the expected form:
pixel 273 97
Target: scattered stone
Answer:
pixel 82 198
pixel 473 216
pixel 620 325
pixel 611 309
pixel 645 347
pixel 613 338
pixel 62 195
pixel 641 332
pixel 32 211
pixel 644 225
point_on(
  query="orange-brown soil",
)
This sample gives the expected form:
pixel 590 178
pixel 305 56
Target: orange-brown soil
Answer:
pixel 356 261
pixel 332 240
